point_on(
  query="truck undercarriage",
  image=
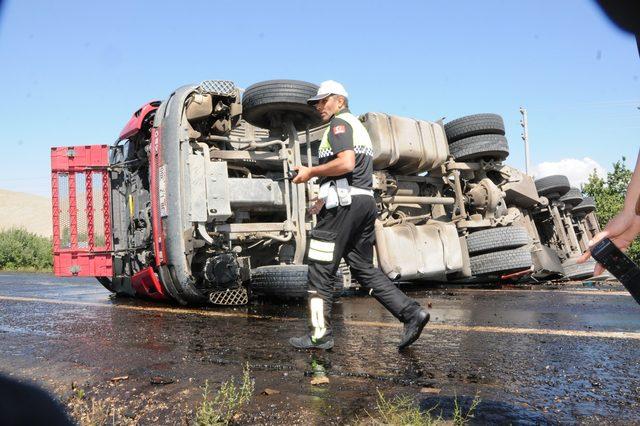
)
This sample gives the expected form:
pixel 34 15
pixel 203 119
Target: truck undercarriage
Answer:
pixel 196 205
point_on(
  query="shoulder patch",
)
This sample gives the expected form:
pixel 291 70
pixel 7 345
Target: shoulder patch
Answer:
pixel 340 128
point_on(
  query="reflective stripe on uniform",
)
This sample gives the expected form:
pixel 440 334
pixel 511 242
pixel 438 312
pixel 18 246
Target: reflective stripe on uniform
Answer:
pixel 361 140
pixel 359 191
pixel 316 305
pixel 321 250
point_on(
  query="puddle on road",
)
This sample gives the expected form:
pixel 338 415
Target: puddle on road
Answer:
pixel 24 330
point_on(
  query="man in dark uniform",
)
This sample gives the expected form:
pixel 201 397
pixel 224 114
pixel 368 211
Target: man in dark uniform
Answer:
pixel 345 228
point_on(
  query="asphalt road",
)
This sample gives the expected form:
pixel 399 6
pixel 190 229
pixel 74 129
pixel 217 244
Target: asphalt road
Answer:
pixel 566 353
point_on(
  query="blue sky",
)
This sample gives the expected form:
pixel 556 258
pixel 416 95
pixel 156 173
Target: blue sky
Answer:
pixel 72 72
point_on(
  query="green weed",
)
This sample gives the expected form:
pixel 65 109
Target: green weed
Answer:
pixel 78 393
pixel 402 410
pixel 226 404
pixel 460 418
pixel 92 412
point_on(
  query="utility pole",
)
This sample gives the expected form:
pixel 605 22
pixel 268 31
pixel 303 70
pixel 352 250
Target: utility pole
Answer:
pixel 525 138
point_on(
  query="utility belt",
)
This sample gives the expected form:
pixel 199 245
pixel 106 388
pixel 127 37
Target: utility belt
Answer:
pixel 338 193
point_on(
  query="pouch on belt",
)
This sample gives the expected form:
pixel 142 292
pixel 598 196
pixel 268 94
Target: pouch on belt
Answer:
pixel 335 193
pixel 344 192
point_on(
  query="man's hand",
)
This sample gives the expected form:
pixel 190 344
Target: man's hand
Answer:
pixel 315 209
pixel 344 162
pixel 621 230
pixel 304 174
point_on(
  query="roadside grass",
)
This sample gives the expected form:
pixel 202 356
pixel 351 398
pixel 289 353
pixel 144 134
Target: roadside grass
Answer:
pixel 224 407
pixel 93 412
pixel 21 250
pixel 403 410
pixel 461 418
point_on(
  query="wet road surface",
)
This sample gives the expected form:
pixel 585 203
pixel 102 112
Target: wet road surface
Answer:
pixel 559 354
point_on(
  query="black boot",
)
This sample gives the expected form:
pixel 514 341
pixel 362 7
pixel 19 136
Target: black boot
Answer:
pixel 414 319
pixel 309 342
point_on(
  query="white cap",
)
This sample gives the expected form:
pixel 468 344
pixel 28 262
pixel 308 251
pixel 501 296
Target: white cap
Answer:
pixel 328 88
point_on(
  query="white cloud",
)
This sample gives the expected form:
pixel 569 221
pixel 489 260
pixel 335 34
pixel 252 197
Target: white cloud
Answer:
pixel 577 170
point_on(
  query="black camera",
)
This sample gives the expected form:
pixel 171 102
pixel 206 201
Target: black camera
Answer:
pixel 291 174
pixel 615 261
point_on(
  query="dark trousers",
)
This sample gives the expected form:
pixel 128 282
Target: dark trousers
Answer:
pixel 351 229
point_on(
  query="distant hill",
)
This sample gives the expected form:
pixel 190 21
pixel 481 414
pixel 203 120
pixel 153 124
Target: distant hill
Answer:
pixel 28 211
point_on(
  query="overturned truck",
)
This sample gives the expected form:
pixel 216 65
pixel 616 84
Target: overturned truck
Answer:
pixel 193 202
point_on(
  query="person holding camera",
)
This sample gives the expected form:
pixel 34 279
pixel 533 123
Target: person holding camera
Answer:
pixel 625 227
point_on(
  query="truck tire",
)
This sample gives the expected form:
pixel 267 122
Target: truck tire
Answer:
pixel 473 125
pixel 501 262
pixel 494 239
pixel 288 282
pixel 572 198
pixel 267 102
pixel 553 186
pixel 490 147
pixel 587 205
